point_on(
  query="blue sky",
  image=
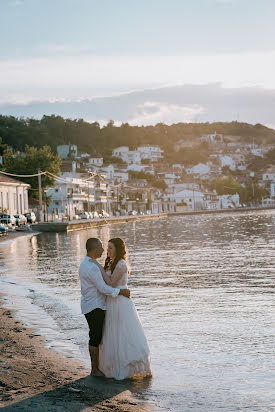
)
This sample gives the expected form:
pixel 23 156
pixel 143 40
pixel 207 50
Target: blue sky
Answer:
pixel 69 50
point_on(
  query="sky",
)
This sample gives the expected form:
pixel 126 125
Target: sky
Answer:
pixel 139 61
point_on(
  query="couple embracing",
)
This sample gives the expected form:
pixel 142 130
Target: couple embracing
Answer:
pixel 117 343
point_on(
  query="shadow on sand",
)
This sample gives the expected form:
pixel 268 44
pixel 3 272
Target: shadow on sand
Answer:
pixel 85 394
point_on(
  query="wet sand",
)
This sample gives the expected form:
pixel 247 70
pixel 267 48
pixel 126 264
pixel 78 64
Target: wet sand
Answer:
pixel 14 235
pixel 33 378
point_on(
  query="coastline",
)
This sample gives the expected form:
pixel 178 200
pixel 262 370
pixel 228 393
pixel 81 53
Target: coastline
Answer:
pixel 11 236
pixel 75 225
pixel 33 377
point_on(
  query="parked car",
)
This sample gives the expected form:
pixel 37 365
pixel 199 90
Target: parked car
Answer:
pixel 3 230
pixel 7 219
pixel 148 212
pixel 94 215
pixel 103 213
pixel 31 218
pixel 133 213
pixel 84 215
pixel 20 220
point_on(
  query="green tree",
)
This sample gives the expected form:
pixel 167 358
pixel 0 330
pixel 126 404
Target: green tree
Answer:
pixel 252 193
pixel 157 183
pixel 226 186
pixel 28 164
pixel 3 147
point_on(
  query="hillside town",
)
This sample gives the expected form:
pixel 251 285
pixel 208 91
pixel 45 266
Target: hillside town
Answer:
pixel 141 181
pixel 88 186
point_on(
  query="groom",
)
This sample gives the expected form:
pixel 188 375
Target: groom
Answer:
pixel 93 298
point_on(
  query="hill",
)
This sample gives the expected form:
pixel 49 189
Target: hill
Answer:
pixel 91 138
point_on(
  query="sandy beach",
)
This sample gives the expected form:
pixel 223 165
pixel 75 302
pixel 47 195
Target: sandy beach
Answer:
pixel 34 378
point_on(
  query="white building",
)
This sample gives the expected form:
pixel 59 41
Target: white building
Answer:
pixel 212 138
pixel 128 156
pixel 170 178
pixel 269 174
pixel 228 161
pixel 96 160
pixel 153 153
pixel 229 201
pixel 13 196
pixel 66 150
pixel 260 151
pixel 71 196
pixel 114 175
pixel 192 198
pixel 136 168
pixel 200 169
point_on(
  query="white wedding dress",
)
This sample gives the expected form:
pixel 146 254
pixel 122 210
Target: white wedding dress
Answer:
pixel 124 351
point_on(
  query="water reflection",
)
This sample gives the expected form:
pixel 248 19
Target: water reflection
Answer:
pixel 204 289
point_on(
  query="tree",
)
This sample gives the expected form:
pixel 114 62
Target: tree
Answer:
pixel 226 185
pixel 252 193
pixel 3 147
pixel 158 183
pixel 28 164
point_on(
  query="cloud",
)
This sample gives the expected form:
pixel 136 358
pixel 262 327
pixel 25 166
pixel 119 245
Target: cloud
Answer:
pixel 150 113
pixel 87 76
pixel 189 103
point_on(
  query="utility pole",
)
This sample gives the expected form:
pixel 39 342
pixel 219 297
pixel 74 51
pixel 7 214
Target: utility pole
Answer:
pixel 41 215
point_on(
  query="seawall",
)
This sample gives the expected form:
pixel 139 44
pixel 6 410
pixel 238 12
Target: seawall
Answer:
pixel 87 224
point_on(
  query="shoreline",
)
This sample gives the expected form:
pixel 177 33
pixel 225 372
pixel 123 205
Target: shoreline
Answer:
pixel 74 225
pixel 34 378
pixel 4 240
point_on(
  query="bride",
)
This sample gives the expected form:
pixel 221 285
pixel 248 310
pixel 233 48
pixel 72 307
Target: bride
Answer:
pixel 124 351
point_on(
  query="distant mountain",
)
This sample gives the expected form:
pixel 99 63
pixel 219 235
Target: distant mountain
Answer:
pixel 187 103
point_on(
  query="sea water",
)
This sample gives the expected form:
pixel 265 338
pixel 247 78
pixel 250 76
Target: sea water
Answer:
pixel 203 286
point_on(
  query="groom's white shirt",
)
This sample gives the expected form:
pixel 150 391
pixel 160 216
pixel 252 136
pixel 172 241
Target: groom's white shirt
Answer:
pixel 93 287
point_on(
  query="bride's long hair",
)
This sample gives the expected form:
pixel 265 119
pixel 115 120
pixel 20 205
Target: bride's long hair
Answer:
pixel 121 253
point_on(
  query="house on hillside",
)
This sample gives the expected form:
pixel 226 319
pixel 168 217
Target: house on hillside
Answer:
pixel 96 159
pixel 212 138
pixel 153 153
pixel 13 195
pixel 269 174
pixel 199 169
pixel 66 151
pixel 128 156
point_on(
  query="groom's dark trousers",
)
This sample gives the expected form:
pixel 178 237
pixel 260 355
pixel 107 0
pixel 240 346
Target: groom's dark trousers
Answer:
pixel 95 320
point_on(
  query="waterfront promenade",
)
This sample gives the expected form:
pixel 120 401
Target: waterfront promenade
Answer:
pixel 73 225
